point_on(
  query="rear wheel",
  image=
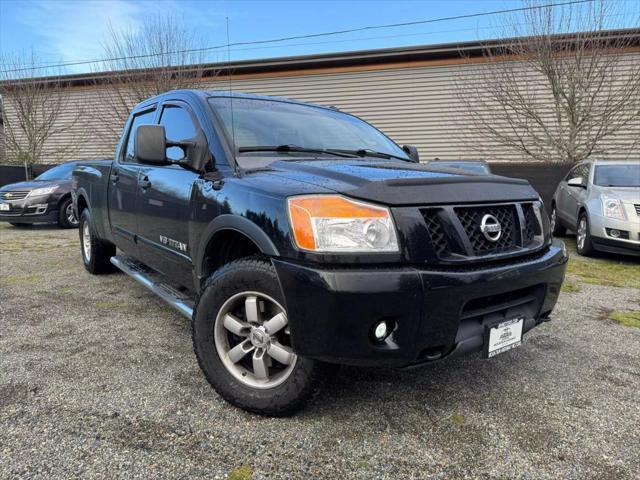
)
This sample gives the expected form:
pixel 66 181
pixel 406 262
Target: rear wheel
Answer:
pixel 67 216
pixel 556 227
pixel 242 340
pixel 583 236
pixel 96 253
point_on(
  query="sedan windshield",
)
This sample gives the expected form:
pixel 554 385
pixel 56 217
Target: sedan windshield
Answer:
pixel 271 127
pixel 62 172
pixel 617 175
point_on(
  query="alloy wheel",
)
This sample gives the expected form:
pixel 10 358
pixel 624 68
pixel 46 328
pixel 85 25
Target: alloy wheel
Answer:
pixel 253 341
pixel 70 214
pixel 582 232
pixel 86 241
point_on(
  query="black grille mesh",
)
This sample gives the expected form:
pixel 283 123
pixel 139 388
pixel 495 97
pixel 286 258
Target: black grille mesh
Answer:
pixel 530 223
pixel 470 218
pixel 438 239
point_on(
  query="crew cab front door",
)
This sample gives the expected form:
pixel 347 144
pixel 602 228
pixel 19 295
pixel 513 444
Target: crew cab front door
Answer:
pixel 164 201
pixel 123 186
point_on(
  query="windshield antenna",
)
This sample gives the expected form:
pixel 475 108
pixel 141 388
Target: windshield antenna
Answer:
pixel 233 127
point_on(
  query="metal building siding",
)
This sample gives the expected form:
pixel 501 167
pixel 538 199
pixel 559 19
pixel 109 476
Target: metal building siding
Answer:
pixel 416 105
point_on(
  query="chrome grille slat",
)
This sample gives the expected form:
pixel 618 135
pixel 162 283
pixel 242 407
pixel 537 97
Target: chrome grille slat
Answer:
pixel 14 195
pixel 637 207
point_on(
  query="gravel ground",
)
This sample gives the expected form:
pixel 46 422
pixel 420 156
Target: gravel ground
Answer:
pixel 98 379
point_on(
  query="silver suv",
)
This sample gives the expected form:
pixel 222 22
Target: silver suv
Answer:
pixel 600 201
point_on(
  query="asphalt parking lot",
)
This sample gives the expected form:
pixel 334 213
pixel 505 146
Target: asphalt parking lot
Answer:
pixel 98 379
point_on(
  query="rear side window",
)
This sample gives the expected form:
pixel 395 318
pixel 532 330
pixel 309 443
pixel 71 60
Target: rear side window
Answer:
pixel 178 127
pixel 144 118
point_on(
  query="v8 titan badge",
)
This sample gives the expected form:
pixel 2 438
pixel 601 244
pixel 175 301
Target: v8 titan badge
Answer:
pixel 504 336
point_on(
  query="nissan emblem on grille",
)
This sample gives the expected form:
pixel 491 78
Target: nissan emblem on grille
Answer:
pixel 490 228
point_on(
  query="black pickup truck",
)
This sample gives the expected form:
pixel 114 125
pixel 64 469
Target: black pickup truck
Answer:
pixel 296 236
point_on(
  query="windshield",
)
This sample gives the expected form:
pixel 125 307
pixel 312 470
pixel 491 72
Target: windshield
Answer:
pixel 62 172
pixel 617 175
pixel 272 123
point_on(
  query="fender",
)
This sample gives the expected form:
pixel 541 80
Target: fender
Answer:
pixel 239 224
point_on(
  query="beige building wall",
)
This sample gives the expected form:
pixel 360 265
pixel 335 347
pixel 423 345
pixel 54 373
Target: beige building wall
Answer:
pixel 413 104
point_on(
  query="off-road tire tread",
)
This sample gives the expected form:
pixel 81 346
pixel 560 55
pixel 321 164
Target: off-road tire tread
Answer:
pixel 302 390
pixel 101 251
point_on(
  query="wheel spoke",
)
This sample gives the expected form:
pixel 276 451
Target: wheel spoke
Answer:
pixel 236 326
pixel 238 352
pixel 276 324
pixel 281 353
pixel 251 309
pixel 260 366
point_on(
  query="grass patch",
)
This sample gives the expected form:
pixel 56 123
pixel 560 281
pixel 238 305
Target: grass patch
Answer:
pixel 106 304
pixel 20 279
pixel 457 418
pixel 612 271
pixel 245 472
pixel 570 287
pixel 628 319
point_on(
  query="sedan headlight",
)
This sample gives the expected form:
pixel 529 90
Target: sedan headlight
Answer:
pixel 42 191
pixel 332 223
pixel 612 208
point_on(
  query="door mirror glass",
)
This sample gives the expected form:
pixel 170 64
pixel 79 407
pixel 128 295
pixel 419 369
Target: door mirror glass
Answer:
pixel 412 152
pixel 150 146
pixel 576 182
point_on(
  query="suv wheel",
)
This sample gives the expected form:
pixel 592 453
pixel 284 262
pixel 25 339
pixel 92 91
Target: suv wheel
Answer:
pixel 96 254
pixel 67 216
pixel 583 237
pixel 242 341
pixel 556 227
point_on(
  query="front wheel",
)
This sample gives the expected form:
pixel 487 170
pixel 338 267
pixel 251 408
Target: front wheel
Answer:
pixel 583 236
pixel 96 253
pixel 67 216
pixel 242 340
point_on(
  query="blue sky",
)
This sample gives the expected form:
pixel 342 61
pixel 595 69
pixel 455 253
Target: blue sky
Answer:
pixel 70 30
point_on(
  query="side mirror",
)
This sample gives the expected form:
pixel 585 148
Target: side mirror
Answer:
pixel 412 152
pixel 576 182
pixel 151 144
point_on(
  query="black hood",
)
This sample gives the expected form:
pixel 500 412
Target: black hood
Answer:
pixel 30 185
pixel 402 183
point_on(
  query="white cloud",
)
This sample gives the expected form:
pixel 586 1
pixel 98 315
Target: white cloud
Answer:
pixel 73 30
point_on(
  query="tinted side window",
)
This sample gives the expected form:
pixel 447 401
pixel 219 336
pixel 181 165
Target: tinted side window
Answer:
pixel 178 127
pixel 145 118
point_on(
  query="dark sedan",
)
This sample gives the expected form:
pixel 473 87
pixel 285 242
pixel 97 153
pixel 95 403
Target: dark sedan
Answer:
pixel 46 199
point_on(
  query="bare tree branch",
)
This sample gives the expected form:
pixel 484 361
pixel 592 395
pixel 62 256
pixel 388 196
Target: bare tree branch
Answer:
pixel 555 96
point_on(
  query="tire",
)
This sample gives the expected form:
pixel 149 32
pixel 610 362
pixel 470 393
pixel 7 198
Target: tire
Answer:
pixel 95 253
pixel 66 216
pixel 20 225
pixel 557 229
pixel 583 236
pixel 284 387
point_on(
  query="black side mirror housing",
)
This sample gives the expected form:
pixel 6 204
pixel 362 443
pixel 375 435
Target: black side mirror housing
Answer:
pixel 412 152
pixel 151 148
pixel 151 145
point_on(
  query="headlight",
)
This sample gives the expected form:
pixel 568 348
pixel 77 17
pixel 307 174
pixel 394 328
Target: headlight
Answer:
pixel 42 191
pixel 332 223
pixel 612 208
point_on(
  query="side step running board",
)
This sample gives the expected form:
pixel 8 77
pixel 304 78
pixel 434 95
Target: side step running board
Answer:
pixel 150 279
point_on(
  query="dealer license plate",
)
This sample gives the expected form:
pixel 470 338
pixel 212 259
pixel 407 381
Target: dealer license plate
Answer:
pixel 4 206
pixel 503 337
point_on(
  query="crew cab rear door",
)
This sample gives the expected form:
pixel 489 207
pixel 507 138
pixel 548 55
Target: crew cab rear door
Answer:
pixel 123 186
pixel 164 200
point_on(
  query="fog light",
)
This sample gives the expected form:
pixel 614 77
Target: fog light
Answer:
pixel 614 233
pixel 381 331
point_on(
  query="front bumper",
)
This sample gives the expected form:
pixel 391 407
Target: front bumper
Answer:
pixel 30 210
pixel 436 312
pixel 602 240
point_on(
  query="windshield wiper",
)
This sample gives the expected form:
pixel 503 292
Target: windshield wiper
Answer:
pixel 296 148
pixel 366 152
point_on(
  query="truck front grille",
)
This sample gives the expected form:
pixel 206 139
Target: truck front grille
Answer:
pixel 637 207
pixel 455 232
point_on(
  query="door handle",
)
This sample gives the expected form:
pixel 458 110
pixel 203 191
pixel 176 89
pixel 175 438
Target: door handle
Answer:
pixel 114 177
pixel 144 183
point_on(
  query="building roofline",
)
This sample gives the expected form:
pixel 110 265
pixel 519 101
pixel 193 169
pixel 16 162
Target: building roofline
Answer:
pixel 442 51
